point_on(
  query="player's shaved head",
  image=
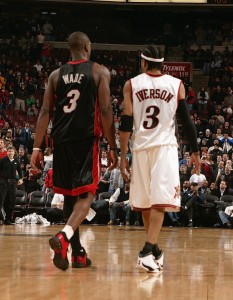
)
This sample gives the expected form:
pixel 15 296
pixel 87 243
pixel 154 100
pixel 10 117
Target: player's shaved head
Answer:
pixel 78 40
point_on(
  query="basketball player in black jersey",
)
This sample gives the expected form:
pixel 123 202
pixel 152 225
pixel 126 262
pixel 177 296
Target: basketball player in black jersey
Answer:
pixel 80 94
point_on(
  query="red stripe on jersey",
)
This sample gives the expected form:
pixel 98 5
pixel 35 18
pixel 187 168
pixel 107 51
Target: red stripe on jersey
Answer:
pixel 97 123
pixel 131 89
pixel 154 75
pixel 76 62
pixel 178 96
pixel 96 164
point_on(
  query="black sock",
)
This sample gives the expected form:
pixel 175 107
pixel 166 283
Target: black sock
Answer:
pixel 156 251
pixel 147 248
pixel 75 243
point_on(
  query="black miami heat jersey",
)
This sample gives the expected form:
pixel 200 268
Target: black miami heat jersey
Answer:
pixel 76 115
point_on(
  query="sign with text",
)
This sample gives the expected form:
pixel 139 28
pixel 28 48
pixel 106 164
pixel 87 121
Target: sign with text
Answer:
pixel 221 2
pixel 170 1
pixel 179 69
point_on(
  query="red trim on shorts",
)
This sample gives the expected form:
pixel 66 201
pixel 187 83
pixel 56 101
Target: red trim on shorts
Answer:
pixel 78 191
pixel 76 62
pixel 155 206
pixel 141 209
pixel 164 206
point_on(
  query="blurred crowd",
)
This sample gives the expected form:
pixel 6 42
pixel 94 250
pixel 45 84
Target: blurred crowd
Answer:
pixel 26 60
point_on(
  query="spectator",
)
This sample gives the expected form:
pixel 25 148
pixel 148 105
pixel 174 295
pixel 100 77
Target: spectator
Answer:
pixel 175 218
pixel 191 98
pixel 104 159
pixel 40 38
pixel 207 167
pixel 197 177
pixel 38 66
pixel 30 101
pixel 191 201
pixel 4 98
pixel 218 95
pixel 220 118
pixel 218 171
pixel 226 217
pixel 48 140
pixel 10 176
pixel 184 174
pixel 212 190
pixel 30 142
pixel 228 100
pixel 120 200
pixel 48 185
pixel 202 97
pixel 227 176
pixel 47 30
pixel 222 190
pixel 185 160
pixel 55 213
pixel 3 151
pixel 32 112
pixel 21 97
pixel 215 150
pixel 226 142
pixel 46 52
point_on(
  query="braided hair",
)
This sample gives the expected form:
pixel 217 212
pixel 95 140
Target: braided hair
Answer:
pixel 153 52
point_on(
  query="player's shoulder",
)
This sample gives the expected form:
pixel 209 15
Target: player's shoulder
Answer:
pixel 138 77
pixel 100 71
pixel 171 77
pixel 55 73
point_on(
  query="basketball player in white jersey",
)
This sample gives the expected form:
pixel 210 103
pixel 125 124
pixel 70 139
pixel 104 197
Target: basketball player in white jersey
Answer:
pixel 151 101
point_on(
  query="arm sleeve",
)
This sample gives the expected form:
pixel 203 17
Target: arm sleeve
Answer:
pixel 187 125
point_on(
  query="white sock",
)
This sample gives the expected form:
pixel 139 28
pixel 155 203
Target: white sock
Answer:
pixel 68 231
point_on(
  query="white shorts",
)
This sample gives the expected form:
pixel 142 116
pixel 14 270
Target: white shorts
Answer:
pixel 155 179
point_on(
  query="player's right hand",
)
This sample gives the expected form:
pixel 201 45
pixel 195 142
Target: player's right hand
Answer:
pixel 114 159
pixel 123 168
pixel 36 158
pixel 195 160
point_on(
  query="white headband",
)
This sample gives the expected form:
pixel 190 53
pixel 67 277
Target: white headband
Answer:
pixel 152 59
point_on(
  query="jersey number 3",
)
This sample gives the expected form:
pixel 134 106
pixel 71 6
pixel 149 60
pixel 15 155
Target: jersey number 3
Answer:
pixel 151 117
pixel 73 95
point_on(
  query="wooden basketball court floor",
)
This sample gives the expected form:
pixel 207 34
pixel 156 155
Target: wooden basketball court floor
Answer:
pixel 198 265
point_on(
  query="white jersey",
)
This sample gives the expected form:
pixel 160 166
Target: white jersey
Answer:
pixel 155 100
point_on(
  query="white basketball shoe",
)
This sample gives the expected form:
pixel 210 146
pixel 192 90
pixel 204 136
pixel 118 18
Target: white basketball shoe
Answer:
pixel 148 263
pixel 159 260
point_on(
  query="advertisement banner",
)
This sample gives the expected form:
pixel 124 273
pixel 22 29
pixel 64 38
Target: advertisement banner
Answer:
pixel 179 69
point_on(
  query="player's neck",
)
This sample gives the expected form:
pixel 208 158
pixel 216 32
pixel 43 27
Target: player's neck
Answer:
pixel 154 72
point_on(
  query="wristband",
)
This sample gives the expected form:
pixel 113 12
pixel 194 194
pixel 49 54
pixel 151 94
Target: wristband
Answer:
pixel 126 123
pixel 36 149
pixel 113 148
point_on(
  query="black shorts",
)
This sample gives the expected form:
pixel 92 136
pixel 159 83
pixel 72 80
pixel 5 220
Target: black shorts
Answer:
pixel 76 167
